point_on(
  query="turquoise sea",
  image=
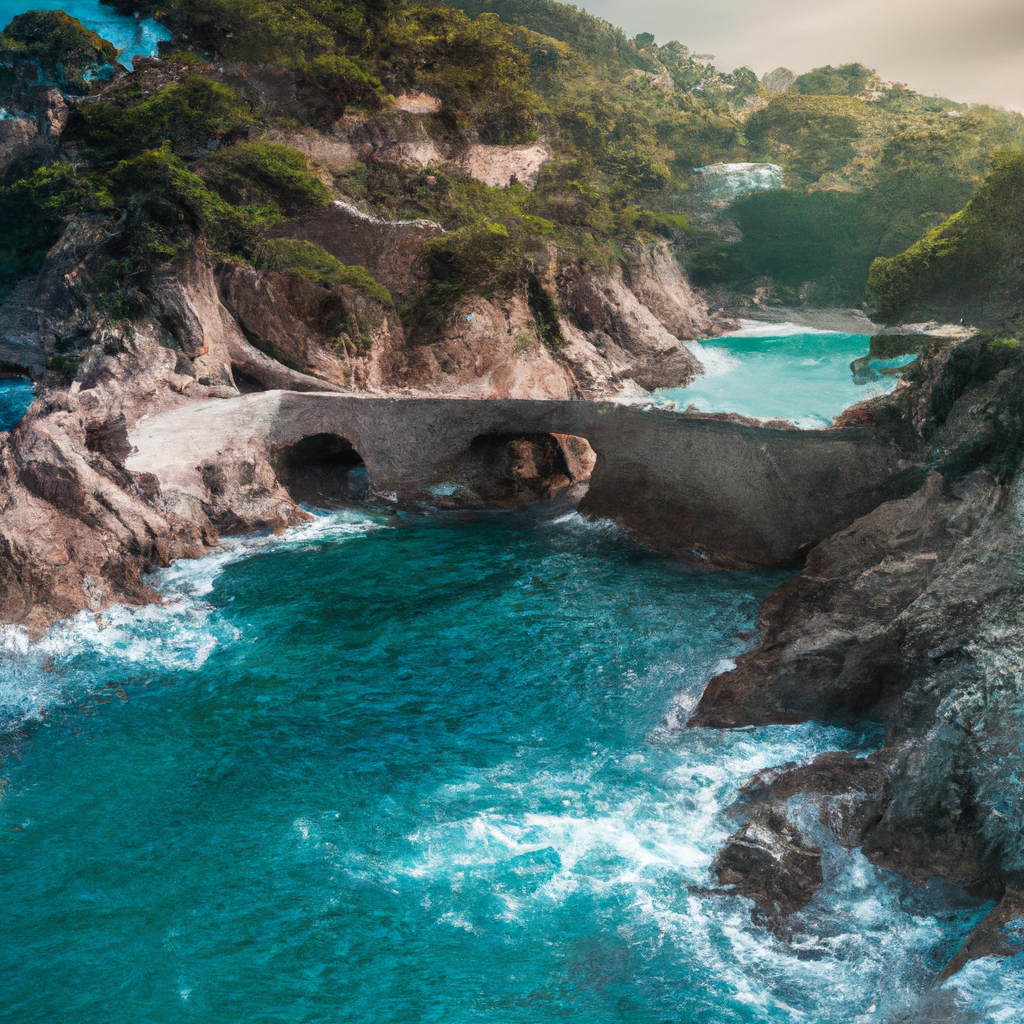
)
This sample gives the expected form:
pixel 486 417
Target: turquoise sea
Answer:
pixel 16 394
pixel 786 371
pixel 391 769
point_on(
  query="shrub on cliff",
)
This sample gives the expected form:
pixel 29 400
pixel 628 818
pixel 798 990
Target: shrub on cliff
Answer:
pixel 819 133
pixel 846 80
pixel 309 260
pixel 188 115
pixel 969 267
pixel 265 175
pixel 32 212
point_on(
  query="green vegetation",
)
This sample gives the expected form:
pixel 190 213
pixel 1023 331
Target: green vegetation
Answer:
pixel 293 256
pixel 865 180
pixel 971 265
pixel 188 116
pixel 847 80
pixel 268 177
pixel 61 47
pixel 173 155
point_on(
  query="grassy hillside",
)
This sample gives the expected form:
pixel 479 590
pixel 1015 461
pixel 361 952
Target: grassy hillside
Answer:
pixel 866 176
pixel 623 137
pixel 970 267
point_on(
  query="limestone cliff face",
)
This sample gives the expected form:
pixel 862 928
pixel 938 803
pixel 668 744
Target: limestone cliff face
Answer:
pixel 487 349
pixel 339 335
pixel 612 334
pixel 400 138
pixel 77 530
pixel 394 251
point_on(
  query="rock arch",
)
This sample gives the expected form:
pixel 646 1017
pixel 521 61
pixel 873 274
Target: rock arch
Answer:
pixel 510 470
pixel 322 470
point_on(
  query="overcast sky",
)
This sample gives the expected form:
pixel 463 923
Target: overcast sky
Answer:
pixel 968 50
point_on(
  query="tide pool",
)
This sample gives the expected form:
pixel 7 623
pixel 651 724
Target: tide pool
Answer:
pixel 16 396
pixel 427 769
pixel 783 371
pixel 135 36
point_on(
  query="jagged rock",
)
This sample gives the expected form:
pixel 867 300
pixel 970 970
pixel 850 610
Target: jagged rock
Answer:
pixel 340 334
pixel 654 277
pixel 836 639
pixel 912 616
pixel 31 133
pixel 768 860
pixel 852 792
pixel 613 336
pixel 487 349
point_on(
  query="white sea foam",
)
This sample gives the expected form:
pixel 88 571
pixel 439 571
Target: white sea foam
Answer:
pixel 714 360
pixel 761 329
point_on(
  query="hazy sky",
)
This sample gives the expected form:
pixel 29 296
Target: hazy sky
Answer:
pixel 968 50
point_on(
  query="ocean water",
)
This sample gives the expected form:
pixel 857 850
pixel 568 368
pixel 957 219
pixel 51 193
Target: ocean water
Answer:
pixel 428 769
pixel 135 36
pixel 16 396
pixel 785 371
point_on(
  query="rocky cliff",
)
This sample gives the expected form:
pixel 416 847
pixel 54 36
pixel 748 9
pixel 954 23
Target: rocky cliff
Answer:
pixel 910 617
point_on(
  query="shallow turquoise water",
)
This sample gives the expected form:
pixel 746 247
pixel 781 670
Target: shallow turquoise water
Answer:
pixel 136 36
pixel 768 371
pixel 15 397
pixel 386 770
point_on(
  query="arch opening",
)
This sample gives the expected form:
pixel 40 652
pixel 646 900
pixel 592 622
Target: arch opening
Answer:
pixel 514 470
pixel 323 470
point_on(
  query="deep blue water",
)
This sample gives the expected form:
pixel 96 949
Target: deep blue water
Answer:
pixel 136 36
pixel 392 770
pixel 16 396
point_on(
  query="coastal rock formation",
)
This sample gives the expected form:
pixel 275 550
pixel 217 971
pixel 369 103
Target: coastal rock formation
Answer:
pixel 340 334
pixel 610 333
pixel 486 349
pixel 410 147
pixel 768 860
pixel 30 134
pixel 910 616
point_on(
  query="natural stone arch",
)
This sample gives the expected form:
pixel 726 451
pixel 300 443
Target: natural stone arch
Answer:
pixel 512 470
pixel 322 469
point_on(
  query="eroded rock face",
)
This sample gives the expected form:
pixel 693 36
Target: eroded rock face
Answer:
pixel 912 617
pixel 339 334
pixel 393 251
pixel 612 336
pixel 77 530
pixel 486 349
pixel 768 861
pixel 840 640
pixel 513 471
pixel 30 134
pixel 408 145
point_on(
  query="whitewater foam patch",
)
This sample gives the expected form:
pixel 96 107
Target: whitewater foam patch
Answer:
pixel 761 329
pixel 196 577
pixel 715 361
